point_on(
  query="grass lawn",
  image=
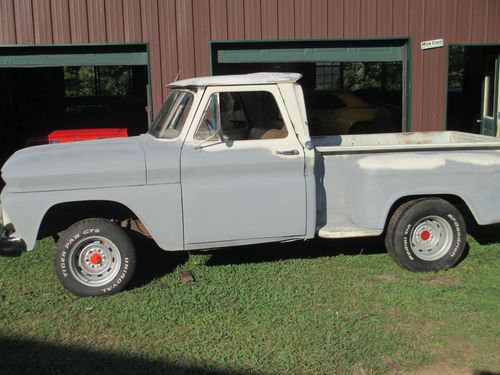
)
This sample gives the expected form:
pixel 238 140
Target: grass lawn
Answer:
pixel 321 307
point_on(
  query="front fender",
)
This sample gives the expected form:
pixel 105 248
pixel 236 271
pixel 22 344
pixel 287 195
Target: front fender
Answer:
pixel 157 206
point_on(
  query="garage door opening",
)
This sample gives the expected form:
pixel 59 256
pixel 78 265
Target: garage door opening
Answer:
pixel 350 87
pixel 473 89
pixel 70 88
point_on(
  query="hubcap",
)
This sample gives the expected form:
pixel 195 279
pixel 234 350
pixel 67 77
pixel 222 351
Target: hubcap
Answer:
pixel 431 238
pixel 94 261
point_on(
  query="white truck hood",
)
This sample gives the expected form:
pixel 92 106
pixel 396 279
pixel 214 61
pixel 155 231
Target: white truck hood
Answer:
pixel 77 165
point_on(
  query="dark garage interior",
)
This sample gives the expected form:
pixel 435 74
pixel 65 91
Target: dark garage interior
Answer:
pixel 350 87
pixel 470 68
pixel 37 100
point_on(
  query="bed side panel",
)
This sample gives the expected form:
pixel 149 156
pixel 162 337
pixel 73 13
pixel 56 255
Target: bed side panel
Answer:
pixel 361 187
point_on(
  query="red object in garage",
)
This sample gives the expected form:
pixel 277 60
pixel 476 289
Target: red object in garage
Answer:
pixel 61 136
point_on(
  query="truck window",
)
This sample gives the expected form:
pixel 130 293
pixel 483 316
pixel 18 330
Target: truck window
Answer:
pixel 242 116
pixel 172 116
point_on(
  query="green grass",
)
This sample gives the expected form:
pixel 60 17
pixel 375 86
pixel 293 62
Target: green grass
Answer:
pixel 304 308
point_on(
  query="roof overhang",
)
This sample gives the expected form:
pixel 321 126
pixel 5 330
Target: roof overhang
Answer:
pixel 236 80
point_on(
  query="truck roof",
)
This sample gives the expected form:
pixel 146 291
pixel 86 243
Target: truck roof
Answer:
pixel 241 79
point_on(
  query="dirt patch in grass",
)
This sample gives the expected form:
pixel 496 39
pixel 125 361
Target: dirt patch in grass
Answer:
pixel 387 277
pixel 443 281
pixel 441 368
pixel 448 363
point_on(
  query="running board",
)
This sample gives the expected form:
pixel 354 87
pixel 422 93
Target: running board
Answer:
pixel 347 232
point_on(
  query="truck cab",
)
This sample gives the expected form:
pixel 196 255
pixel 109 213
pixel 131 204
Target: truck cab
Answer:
pixel 244 173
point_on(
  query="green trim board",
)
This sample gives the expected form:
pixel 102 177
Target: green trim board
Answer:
pixel 149 88
pixel 397 39
pixel 474 44
pixel 326 54
pixel 408 84
pixel 82 45
pixel 447 74
pixel 41 55
pixel 77 59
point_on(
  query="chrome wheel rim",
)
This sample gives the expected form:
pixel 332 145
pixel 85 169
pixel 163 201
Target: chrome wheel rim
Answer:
pixel 94 261
pixel 431 238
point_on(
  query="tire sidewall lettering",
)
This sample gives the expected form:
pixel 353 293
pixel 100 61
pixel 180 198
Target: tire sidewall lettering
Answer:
pixel 458 234
pixel 77 236
pixel 406 242
pixel 62 264
pixel 119 279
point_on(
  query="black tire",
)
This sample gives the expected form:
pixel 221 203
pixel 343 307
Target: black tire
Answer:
pixel 426 234
pixel 94 257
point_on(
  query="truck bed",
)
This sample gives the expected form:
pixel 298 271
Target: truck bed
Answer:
pixel 403 142
pixel 359 177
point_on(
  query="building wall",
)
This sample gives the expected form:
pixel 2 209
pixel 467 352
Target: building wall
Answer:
pixel 179 31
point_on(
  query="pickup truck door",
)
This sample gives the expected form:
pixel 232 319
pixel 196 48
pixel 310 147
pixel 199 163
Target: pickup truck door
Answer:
pixel 246 183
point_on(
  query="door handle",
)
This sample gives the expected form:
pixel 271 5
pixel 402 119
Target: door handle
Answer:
pixel 288 152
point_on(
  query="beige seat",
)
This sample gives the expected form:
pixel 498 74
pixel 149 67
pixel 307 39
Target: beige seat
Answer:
pixel 256 133
pixel 278 130
pixel 274 134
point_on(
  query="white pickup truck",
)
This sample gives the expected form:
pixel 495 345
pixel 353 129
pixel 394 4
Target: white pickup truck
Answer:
pixel 229 161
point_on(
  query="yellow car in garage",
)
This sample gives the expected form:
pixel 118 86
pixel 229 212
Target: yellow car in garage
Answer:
pixel 333 113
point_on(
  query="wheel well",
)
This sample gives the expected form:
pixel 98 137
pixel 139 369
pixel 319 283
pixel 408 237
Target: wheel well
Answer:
pixel 60 216
pixel 455 200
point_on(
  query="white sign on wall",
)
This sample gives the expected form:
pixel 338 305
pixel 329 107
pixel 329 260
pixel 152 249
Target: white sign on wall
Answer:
pixel 428 44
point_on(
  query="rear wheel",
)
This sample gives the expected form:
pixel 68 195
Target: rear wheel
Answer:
pixel 426 234
pixel 94 258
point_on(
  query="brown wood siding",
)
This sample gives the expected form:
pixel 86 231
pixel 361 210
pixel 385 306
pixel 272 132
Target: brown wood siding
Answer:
pixel 368 19
pixel 302 19
pixel 178 32
pixel 286 19
pixel 132 21
pixel 23 16
pixel 168 42
pixel 252 21
pixel 7 22
pixel 319 19
pixel 335 19
pixel 115 28
pixel 269 16
pixel 235 20
pixel 150 32
pixel 185 39
pixel 42 22
pixel 97 21
pixel 59 11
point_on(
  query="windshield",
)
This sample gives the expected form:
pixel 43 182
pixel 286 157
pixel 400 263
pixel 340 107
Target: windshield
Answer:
pixel 172 116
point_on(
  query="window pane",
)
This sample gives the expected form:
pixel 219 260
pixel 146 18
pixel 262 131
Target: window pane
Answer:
pixel 210 121
pixel 242 116
pixel 172 116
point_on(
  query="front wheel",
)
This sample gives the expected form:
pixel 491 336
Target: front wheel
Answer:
pixel 94 257
pixel 426 234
